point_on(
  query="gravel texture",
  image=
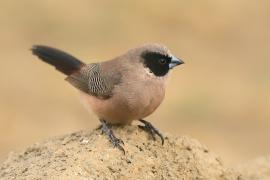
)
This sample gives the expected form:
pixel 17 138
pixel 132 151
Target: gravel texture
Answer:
pixel 89 155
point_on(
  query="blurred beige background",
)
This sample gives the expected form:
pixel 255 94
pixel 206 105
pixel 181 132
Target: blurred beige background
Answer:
pixel 220 96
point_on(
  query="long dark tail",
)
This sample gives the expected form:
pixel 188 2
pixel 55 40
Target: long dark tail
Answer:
pixel 62 61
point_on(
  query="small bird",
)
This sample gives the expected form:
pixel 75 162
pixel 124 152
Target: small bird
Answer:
pixel 126 88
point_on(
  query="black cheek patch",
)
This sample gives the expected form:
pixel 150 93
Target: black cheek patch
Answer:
pixel 151 61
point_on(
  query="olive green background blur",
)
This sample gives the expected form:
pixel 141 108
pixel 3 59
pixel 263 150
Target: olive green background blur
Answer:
pixel 220 96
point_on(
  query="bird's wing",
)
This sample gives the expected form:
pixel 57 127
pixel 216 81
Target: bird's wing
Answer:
pixel 92 80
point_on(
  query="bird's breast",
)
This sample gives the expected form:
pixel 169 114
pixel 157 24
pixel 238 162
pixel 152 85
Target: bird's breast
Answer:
pixel 129 102
pixel 143 99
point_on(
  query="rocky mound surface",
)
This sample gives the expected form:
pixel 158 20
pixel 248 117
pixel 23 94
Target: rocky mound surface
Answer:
pixel 89 155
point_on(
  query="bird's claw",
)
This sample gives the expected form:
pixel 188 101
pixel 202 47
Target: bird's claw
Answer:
pixel 117 142
pixel 151 129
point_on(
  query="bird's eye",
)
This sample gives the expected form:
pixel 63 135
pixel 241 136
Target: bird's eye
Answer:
pixel 162 61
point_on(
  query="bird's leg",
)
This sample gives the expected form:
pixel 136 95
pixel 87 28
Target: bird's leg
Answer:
pixel 105 128
pixel 151 129
pixel 99 127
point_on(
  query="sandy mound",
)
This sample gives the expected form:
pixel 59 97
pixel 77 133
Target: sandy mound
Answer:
pixel 89 155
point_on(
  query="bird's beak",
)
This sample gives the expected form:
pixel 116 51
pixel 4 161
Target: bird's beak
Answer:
pixel 175 62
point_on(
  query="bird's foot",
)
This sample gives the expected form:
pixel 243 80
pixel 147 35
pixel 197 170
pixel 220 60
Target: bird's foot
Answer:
pixel 151 129
pixel 105 128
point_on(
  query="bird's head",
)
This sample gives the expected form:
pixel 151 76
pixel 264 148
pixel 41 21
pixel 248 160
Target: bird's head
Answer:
pixel 156 58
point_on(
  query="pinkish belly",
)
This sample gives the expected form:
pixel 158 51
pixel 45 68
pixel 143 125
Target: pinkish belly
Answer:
pixel 119 110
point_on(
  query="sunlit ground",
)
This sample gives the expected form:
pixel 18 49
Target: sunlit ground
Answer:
pixel 220 96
